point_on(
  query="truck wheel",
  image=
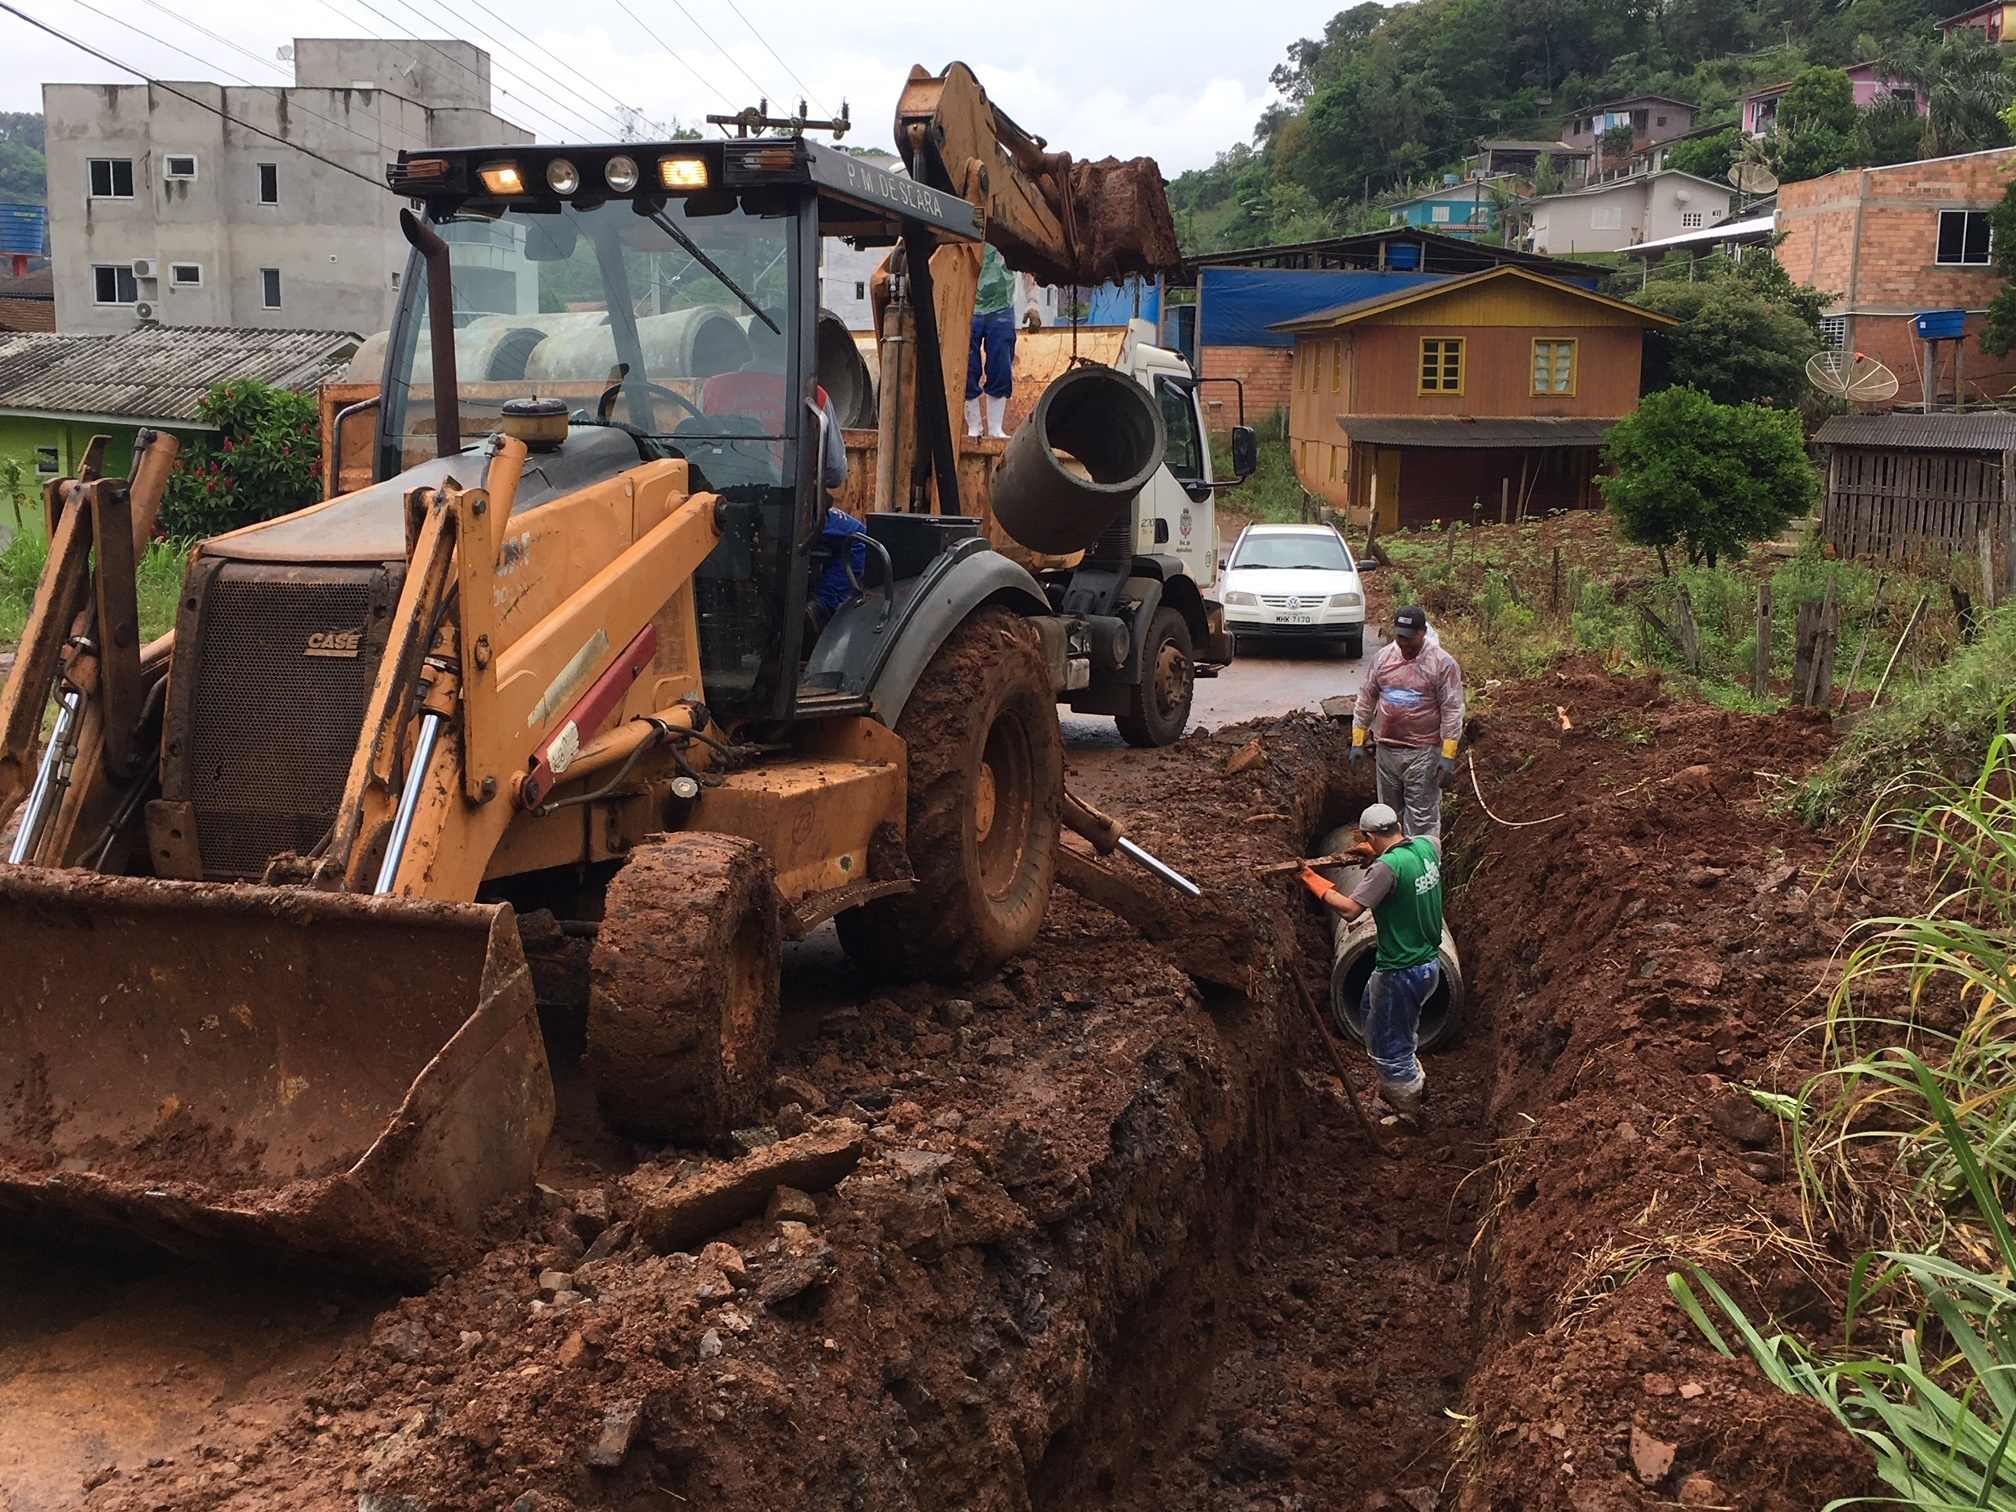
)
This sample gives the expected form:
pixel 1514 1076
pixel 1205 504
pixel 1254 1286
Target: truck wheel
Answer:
pixel 683 986
pixel 985 789
pixel 1168 681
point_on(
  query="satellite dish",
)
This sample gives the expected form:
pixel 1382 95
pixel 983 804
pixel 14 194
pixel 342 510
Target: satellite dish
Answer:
pixel 1851 376
pixel 1752 178
pixel 284 52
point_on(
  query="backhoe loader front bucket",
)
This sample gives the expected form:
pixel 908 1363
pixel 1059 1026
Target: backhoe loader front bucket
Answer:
pixel 264 1072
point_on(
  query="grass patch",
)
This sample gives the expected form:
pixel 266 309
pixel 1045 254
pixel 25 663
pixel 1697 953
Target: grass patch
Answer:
pixel 1908 1142
pixel 1273 493
pixel 159 573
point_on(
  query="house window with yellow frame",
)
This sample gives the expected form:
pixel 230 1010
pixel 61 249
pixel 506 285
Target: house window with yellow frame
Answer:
pixel 1442 365
pixel 1554 367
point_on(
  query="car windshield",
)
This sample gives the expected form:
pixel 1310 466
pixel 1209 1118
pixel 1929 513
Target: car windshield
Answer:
pixel 1317 548
pixel 666 318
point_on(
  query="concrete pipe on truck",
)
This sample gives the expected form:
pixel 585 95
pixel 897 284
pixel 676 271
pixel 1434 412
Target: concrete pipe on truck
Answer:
pixel 1354 943
pixel 1108 424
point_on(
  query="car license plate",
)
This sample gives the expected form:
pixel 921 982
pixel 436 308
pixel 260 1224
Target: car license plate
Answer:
pixel 1294 619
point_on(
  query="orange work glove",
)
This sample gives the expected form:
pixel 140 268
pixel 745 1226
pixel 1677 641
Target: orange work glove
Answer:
pixel 1318 885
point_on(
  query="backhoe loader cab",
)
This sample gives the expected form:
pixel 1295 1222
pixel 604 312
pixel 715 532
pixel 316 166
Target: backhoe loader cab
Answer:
pixel 547 688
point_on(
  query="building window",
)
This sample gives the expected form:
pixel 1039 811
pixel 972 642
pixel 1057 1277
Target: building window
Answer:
pixel 178 165
pixel 111 178
pixel 113 284
pixel 1439 214
pixel 1333 464
pixel 269 183
pixel 1442 365
pixel 1690 220
pixel 1337 366
pixel 1834 332
pixel 1554 367
pixel 45 461
pixel 860 289
pixel 269 287
pixel 186 275
pixel 1606 217
pixel 1662 120
pixel 1964 238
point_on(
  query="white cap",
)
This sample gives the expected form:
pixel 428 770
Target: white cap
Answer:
pixel 1379 819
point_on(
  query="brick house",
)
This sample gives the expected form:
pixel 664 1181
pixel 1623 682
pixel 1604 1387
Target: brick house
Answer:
pixel 1886 243
pixel 1462 398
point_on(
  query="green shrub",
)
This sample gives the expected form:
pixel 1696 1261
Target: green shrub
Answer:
pixel 265 460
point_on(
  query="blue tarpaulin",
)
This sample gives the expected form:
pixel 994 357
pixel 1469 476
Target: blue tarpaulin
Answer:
pixel 1118 303
pixel 1237 305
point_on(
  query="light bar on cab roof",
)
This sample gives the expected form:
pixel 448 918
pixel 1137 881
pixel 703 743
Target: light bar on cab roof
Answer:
pixel 502 178
pixel 683 172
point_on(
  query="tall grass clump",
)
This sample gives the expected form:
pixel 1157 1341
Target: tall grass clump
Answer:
pixel 1907 1142
pixel 159 573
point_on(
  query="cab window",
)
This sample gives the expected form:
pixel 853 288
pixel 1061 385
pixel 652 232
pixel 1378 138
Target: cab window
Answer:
pixel 1185 455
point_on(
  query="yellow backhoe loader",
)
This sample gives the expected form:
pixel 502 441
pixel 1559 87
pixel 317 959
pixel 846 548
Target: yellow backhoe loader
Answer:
pixel 262 981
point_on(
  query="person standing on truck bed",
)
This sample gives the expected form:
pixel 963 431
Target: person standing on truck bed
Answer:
pixel 1402 886
pixel 1411 707
pixel 990 360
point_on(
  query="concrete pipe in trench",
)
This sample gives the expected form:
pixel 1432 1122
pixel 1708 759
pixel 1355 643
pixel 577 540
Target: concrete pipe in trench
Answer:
pixel 1353 945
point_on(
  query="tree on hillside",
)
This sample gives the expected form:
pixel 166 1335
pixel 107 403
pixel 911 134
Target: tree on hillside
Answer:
pixel 1707 477
pixel 1965 86
pixel 1709 156
pixel 1745 332
pixel 24 175
pixel 1999 336
pixel 1613 148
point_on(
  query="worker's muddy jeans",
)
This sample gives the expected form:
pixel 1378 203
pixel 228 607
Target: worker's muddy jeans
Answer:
pixel 1392 1010
pixel 1410 784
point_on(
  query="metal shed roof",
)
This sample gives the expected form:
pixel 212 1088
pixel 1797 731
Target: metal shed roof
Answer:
pixel 157 373
pixel 1985 431
pixel 1450 432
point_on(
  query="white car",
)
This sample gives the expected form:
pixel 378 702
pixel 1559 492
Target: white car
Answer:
pixel 1294 581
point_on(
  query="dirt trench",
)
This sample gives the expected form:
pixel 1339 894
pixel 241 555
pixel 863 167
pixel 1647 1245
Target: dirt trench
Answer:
pixel 1115 1240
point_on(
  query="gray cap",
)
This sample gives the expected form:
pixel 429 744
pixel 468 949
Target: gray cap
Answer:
pixel 1379 819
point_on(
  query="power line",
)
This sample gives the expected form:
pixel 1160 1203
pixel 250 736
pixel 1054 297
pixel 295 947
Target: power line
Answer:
pixel 726 55
pixel 179 94
pixel 534 79
pixel 823 110
pixel 704 80
pixel 592 84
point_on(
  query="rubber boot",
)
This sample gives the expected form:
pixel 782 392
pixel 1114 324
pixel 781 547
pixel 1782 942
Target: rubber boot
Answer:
pixel 996 411
pixel 1407 1102
pixel 973 416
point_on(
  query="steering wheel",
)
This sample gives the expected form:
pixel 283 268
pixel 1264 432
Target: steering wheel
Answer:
pixel 656 390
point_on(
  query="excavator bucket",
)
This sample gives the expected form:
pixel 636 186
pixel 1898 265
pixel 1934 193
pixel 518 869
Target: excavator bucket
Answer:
pixel 264 1072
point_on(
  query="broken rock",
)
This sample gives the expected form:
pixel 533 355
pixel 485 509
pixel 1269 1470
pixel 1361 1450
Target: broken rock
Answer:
pixel 1650 1457
pixel 1250 755
pixel 1699 1491
pixel 1247 1455
pixel 723 1195
pixel 789 1204
pixel 619 1426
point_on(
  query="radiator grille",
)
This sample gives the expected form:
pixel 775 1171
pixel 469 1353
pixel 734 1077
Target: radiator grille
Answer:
pixel 273 728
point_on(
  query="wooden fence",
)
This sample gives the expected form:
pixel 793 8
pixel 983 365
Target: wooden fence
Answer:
pixel 1909 505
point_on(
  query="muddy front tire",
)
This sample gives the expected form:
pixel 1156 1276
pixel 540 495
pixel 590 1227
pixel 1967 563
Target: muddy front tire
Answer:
pixel 986 787
pixel 1168 683
pixel 683 987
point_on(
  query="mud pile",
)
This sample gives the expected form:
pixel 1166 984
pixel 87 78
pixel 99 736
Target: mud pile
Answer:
pixel 1051 1175
pixel 1642 959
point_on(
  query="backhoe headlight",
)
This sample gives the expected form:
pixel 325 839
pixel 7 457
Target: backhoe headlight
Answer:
pixel 501 178
pixel 620 174
pixel 1243 600
pixel 1347 601
pixel 682 172
pixel 562 177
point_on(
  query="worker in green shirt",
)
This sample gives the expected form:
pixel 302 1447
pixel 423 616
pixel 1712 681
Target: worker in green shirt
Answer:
pixel 990 360
pixel 1402 886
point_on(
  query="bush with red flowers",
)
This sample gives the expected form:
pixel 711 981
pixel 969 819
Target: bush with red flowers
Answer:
pixel 263 460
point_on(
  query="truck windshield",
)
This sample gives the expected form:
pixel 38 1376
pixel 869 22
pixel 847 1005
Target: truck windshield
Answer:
pixel 616 310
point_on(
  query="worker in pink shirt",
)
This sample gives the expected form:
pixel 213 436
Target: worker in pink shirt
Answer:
pixel 1411 710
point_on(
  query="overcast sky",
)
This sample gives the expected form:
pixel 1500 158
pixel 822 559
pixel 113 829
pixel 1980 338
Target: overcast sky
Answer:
pixel 1179 82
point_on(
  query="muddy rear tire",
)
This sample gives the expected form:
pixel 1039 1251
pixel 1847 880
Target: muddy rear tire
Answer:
pixel 1161 704
pixel 682 1001
pixel 985 792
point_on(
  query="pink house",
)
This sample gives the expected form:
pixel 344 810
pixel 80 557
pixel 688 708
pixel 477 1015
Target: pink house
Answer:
pixel 1760 110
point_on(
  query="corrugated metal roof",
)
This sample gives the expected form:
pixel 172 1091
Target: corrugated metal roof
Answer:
pixel 1450 433
pixel 157 373
pixel 1987 431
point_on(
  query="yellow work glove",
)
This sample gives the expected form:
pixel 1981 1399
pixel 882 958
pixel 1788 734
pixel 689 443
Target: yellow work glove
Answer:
pixel 1448 763
pixel 1357 742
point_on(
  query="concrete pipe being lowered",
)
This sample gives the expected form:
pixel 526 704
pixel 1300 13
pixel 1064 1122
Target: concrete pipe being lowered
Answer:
pixel 1353 945
pixel 1108 424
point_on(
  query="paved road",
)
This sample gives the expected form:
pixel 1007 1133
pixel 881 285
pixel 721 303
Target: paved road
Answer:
pixel 1261 683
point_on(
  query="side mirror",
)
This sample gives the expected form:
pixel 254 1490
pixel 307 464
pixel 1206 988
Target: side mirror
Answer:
pixel 1245 451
